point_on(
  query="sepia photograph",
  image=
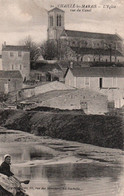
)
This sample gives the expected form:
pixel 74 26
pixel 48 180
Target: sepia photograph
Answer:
pixel 61 98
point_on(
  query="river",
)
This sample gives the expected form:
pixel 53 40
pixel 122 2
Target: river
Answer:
pixel 47 178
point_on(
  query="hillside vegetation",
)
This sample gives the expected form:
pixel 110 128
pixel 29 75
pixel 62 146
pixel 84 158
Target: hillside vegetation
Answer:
pixel 106 131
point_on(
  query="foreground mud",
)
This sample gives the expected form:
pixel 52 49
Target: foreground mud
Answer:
pixel 62 151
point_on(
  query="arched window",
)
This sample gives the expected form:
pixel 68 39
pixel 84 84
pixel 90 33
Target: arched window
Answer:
pixel 51 21
pixel 58 20
pixel 20 67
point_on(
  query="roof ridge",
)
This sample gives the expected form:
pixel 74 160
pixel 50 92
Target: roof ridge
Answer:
pixel 10 74
pixel 16 45
pixel 98 72
pixel 56 8
pixel 91 32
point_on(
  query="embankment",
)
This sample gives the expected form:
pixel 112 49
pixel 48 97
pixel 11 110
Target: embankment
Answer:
pixel 105 131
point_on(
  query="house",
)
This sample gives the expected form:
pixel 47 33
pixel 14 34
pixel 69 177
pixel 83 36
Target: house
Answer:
pixel 16 58
pixel 83 46
pixel 47 72
pixel 10 81
pixel 73 99
pixel 106 80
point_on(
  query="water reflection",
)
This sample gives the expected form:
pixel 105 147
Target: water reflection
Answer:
pixel 23 153
pixel 86 179
pixel 82 179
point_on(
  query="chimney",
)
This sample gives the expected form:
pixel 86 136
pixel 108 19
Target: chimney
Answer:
pixel 4 45
pixel 71 65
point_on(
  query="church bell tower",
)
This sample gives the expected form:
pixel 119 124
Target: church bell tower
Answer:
pixel 55 23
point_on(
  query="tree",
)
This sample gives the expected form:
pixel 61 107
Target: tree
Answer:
pixel 35 50
pixel 49 50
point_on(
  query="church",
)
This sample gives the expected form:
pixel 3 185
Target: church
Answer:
pixel 80 45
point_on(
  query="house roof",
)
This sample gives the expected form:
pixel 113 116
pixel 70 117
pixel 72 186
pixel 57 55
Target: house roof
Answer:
pixel 66 63
pixel 93 35
pixel 45 67
pixel 98 72
pixel 49 95
pixel 57 93
pixel 10 74
pixel 55 9
pixel 15 48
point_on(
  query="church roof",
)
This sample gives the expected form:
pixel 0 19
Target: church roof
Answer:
pixel 84 34
pixel 98 72
pixel 55 9
pixel 10 74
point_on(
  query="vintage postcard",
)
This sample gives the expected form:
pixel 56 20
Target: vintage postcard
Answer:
pixel 61 98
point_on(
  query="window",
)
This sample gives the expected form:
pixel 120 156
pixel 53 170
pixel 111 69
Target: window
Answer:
pixel 111 105
pixel 94 45
pixel 84 105
pixel 20 67
pixel 12 67
pixel 51 21
pixel 100 82
pixel 58 20
pixel 88 59
pixel 11 54
pixel 19 53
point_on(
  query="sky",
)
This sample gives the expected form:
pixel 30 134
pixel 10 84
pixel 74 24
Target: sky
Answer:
pixel 21 18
